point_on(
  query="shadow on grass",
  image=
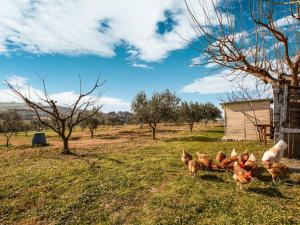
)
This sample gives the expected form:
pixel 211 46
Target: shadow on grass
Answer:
pixel 215 131
pixel 167 131
pixel 193 139
pixel 107 137
pixel 91 156
pixel 262 176
pixel 213 178
pixel 269 191
pixel 75 138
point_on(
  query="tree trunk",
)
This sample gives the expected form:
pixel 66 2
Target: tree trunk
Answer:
pixel 7 141
pixel 191 125
pixel 92 133
pixel 153 133
pixel 66 146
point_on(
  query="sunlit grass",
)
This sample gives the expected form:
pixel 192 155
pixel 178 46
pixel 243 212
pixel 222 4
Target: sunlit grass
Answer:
pixel 123 177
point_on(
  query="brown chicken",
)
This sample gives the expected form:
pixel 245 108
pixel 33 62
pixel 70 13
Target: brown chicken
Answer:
pixel 205 161
pixel 220 157
pixel 277 170
pixel 244 157
pixel 185 158
pixel 228 163
pixel 194 166
pixel 250 165
pixel 241 176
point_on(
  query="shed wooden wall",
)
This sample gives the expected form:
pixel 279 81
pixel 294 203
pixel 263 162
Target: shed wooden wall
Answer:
pixel 239 119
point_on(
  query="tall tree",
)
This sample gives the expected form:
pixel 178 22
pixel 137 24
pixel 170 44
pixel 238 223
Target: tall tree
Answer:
pixel 62 120
pixel 265 46
pixel 10 123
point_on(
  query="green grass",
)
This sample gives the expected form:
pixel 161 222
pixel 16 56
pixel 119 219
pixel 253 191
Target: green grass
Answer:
pixel 136 181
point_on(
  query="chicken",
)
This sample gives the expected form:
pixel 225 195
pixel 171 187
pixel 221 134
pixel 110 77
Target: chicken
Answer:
pixel 185 158
pixel 244 158
pixel 205 161
pixel 220 157
pixel 194 166
pixel 251 164
pixel 277 170
pixel 275 153
pixel 241 176
pixel 234 153
pixel 228 163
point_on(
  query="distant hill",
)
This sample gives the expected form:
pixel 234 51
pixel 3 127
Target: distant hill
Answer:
pixel 7 106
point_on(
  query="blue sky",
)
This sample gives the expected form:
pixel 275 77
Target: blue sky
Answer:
pixel 135 45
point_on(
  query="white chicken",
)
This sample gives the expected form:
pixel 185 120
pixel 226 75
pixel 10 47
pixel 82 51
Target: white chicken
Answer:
pixel 275 153
pixel 252 158
pixel 234 153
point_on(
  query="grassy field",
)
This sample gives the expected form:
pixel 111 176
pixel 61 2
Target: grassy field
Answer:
pixel 123 177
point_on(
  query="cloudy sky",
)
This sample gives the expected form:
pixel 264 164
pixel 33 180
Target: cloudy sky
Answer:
pixel 135 45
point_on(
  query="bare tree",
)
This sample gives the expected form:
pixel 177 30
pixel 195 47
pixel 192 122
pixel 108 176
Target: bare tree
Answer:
pixel 62 120
pixel 241 92
pixel 262 46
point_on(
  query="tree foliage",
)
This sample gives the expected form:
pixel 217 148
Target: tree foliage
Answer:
pixel 10 122
pixel 161 106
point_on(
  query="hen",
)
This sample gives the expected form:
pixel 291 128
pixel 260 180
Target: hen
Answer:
pixel 275 153
pixel 244 157
pixel 251 164
pixel 205 161
pixel 234 153
pixel 194 167
pixel 241 176
pixel 277 170
pixel 220 157
pixel 185 158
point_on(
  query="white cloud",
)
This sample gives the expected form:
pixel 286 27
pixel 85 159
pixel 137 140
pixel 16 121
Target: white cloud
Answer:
pixel 143 66
pixel 63 98
pixel 224 81
pixel 286 21
pixel 94 26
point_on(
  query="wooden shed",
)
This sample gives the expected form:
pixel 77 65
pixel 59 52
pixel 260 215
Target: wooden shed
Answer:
pixel 242 117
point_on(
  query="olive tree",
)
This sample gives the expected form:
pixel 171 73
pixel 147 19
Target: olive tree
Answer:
pixel 92 123
pixel 191 113
pixel 152 111
pixel 211 112
pixel 10 122
pixel 170 104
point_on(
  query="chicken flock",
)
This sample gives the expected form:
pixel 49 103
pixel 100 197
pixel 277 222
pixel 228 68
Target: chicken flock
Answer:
pixel 243 166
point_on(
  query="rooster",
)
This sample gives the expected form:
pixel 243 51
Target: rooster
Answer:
pixel 241 176
pixel 205 161
pixel 185 158
pixel 277 170
pixel 251 164
pixel 275 153
pixel 194 166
